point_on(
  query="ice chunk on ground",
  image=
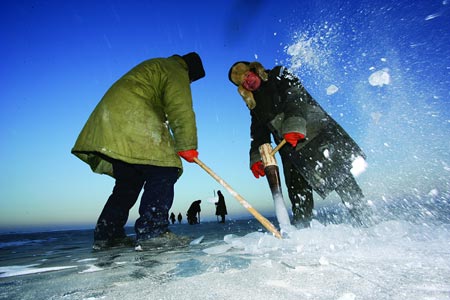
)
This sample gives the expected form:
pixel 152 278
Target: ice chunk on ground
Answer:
pixel 10 271
pixel 197 241
pixel 217 249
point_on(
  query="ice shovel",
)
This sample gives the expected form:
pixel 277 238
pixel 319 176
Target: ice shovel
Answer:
pixel 266 223
pixel 273 178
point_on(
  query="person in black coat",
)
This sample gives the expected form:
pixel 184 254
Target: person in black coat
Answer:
pixel 172 217
pixel 319 154
pixel 221 208
pixel 194 211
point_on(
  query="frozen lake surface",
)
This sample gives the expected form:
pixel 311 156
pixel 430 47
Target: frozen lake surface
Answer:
pixel 403 258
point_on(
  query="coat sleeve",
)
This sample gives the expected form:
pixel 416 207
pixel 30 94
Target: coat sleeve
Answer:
pixel 295 100
pixel 179 112
pixel 260 134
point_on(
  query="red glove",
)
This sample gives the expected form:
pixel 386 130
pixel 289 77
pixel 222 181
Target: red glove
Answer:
pixel 189 155
pixel 293 137
pixel 258 169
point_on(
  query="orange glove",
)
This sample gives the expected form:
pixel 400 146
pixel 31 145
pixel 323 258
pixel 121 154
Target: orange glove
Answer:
pixel 258 169
pixel 189 155
pixel 293 137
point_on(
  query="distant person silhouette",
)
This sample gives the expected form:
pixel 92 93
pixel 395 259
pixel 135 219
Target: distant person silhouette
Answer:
pixel 180 217
pixel 193 211
pixel 172 218
pixel 221 208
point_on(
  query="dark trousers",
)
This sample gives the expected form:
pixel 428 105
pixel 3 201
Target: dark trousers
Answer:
pixel 156 200
pixel 300 193
pixel 352 197
pixel 301 196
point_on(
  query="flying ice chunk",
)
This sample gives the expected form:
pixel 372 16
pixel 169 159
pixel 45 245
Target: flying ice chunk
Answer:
pixel 332 89
pixel 359 165
pixel 433 193
pixel 432 16
pixel 380 78
pixel 376 116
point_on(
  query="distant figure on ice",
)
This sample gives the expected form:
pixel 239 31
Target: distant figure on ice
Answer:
pixel 221 208
pixel 180 217
pixel 193 212
pixel 137 133
pixel 319 154
pixel 172 218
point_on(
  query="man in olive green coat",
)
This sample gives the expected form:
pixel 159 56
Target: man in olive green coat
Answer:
pixel 136 134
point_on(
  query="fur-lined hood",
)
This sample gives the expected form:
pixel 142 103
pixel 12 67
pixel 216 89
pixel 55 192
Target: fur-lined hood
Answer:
pixel 236 75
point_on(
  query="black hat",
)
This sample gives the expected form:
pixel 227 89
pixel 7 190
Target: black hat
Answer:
pixel 195 66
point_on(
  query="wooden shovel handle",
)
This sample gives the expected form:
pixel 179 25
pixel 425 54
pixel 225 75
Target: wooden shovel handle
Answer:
pixel 278 147
pixel 266 223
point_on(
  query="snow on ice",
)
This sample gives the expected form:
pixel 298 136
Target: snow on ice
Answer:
pixel 391 260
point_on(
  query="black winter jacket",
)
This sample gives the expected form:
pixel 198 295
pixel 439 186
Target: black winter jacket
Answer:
pixel 283 105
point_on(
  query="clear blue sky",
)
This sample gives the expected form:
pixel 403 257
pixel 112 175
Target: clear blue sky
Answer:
pixel 59 58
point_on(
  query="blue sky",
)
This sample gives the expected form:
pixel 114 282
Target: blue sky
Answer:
pixel 59 58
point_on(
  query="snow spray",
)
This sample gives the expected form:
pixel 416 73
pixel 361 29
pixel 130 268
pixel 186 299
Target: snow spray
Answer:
pixel 273 178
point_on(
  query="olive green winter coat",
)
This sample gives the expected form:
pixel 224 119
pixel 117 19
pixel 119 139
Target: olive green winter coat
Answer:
pixel 146 117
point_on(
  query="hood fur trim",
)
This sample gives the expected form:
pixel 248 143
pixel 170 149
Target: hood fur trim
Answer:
pixel 247 96
pixel 237 74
